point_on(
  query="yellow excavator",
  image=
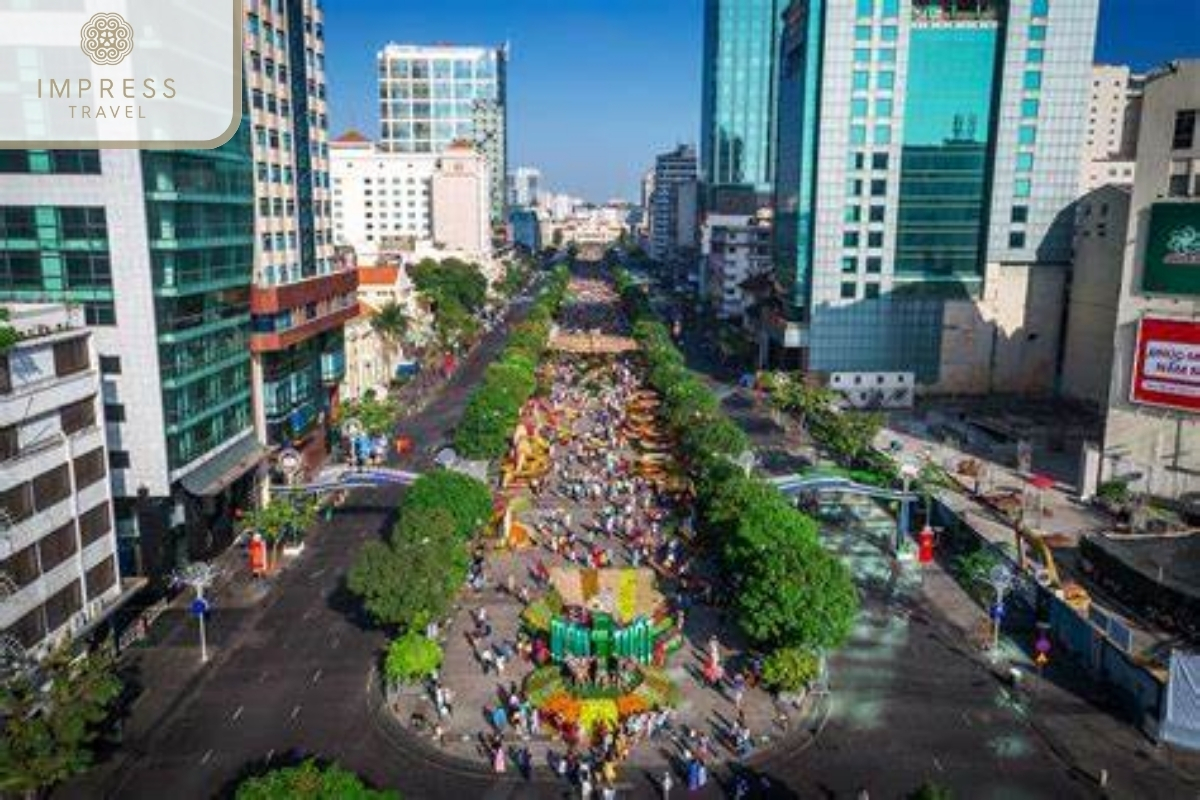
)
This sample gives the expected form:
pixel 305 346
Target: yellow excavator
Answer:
pixel 1035 555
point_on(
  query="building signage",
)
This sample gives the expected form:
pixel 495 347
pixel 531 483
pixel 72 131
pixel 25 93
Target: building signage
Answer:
pixel 1166 369
pixel 1172 263
pixel 140 74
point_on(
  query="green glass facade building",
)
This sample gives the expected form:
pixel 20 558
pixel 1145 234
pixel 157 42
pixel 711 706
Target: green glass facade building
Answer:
pixel 158 249
pixel 924 149
pixel 737 143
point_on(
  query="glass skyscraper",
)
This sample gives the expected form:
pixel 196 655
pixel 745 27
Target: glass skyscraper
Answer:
pixel 737 145
pixel 917 155
pixel 431 97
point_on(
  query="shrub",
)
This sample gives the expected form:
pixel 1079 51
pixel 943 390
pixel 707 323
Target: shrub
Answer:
pixel 790 669
pixel 411 658
pixel 309 781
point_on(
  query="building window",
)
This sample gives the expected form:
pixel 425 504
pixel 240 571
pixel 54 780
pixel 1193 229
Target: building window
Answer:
pixel 875 239
pixel 1035 55
pixel 866 8
pixel 1177 186
pixel 94 523
pixel 885 79
pixel 850 239
pixel 862 80
pixel 1185 130
pixel 1020 214
pixel 1041 8
pixel 849 264
pixel 1027 134
pixel 118 459
pixel 878 187
pixel 883 134
pixel 1037 33
pixel 874 265
pixel 883 107
pixel 878 213
pixel 862 55
pixel 57 547
pixel 110 365
pixel 114 412
pixel 1029 108
pixel 1025 162
pixel 1016 239
pixel 858 107
pixel 70 357
pixel 1033 80
pixel 862 33
pixel 1022 187
pixel 90 468
pixel 849 291
pixel 853 214
pixel 871 291
pixel 77 416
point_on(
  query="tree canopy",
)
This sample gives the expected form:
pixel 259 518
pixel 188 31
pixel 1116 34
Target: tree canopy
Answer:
pixel 411 657
pixel 51 717
pixel 310 781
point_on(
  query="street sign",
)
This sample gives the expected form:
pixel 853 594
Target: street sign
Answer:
pixel 199 607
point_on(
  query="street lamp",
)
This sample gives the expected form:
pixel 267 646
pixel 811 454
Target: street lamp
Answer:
pixel 199 575
pixel 1001 579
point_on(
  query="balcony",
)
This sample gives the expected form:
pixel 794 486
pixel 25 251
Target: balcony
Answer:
pixel 319 295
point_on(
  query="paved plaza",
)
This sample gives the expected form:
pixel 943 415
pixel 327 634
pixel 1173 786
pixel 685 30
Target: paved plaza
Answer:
pixel 592 508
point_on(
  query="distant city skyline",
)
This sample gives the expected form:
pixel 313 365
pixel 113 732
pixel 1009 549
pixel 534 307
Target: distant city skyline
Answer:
pixel 598 87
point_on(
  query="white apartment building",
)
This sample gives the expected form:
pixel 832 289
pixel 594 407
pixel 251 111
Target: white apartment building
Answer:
pixel 460 191
pixel 524 187
pixel 58 549
pixel 734 248
pixel 1108 152
pixel 381 200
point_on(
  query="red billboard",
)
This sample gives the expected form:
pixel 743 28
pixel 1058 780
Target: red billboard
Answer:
pixel 1166 366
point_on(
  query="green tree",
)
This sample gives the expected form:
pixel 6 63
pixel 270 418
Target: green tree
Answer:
pixel 797 595
pixel 310 781
pixel 282 520
pixel 390 322
pixel 51 717
pixel 411 579
pixel 377 417
pixel 467 500
pixel 410 658
pixel 8 334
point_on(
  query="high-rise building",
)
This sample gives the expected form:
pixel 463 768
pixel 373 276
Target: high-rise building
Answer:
pixel 300 300
pixel 431 97
pixel 58 552
pixel 381 201
pixel 928 157
pixel 1108 152
pixel 741 43
pixel 459 192
pixel 524 187
pixel 157 247
pixel 734 248
pixel 674 205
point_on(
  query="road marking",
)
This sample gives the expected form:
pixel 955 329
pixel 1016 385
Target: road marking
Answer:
pixel 207 756
pixel 316 676
pixel 238 713
pixel 295 712
pixel 318 573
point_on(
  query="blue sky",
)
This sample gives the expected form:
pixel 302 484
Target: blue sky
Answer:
pixel 597 87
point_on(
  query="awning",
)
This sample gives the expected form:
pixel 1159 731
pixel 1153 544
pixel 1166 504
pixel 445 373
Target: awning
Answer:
pixel 214 475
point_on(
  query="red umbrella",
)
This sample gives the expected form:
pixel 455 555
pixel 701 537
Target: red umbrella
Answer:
pixel 1038 481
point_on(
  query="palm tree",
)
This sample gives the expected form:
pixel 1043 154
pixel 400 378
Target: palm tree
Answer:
pixel 391 323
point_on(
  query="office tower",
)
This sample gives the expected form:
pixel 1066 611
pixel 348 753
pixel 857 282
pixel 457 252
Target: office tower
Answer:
pixel 737 141
pixel 674 205
pixel 381 200
pixel 58 564
pixel 430 97
pixel 524 187
pixel 928 158
pixel 459 192
pixel 1108 153
pixel 157 247
pixel 300 300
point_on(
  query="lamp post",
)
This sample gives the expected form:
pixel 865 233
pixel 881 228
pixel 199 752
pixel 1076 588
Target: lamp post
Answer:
pixel 1001 579
pixel 198 575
